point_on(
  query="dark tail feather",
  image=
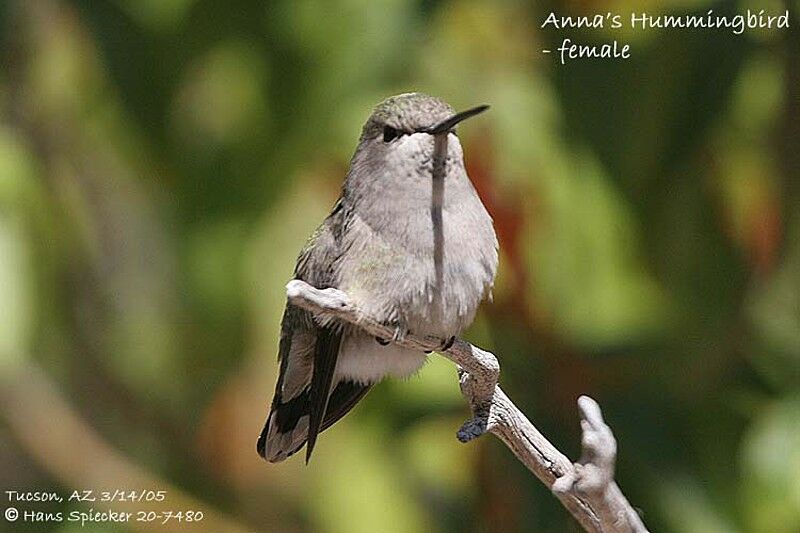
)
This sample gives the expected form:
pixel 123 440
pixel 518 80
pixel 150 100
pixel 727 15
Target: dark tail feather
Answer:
pixel 326 352
pixel 344 397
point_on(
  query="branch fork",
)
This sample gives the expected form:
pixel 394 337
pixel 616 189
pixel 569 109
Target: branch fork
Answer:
pixel 586 488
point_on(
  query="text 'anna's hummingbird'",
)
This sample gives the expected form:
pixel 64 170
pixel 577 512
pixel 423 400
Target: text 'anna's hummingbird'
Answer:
pixel 412 245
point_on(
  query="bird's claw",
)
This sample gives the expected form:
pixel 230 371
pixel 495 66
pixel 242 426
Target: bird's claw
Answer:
pixel 447 344
pixel 399 333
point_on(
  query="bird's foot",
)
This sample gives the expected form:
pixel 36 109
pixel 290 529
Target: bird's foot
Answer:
pixel 447 344
pixel 400 333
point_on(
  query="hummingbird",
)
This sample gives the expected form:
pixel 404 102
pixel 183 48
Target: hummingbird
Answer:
pixel 413 246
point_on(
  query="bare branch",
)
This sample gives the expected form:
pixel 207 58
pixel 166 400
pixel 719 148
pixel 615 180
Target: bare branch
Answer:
pixel 587 488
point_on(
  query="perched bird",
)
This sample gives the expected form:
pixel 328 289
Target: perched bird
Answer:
pixel 412 245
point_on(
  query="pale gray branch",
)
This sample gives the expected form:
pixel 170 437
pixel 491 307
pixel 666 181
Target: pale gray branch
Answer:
pixel 586 488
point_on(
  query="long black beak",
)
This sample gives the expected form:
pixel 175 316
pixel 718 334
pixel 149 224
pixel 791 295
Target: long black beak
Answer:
pixel 449 123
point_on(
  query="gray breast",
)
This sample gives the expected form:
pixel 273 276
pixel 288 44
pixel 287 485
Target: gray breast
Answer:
pixel 389 266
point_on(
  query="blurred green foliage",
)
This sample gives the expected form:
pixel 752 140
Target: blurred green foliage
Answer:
pixel 161 163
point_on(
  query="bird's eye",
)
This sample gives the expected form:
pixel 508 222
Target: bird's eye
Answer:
pixel 390 134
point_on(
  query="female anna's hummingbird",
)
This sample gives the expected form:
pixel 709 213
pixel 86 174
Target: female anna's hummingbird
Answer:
pixel 412 245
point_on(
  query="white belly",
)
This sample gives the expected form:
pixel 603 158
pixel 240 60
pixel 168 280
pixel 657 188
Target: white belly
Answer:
pixel 362 359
